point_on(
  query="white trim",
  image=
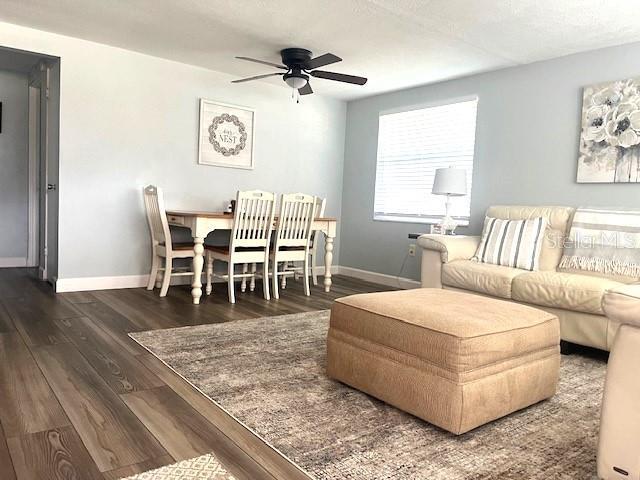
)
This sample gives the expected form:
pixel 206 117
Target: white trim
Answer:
pixel 34 157
pixel 418 219
pixel 100 283
pixel 138 281
pixel 381 278
pixel 9 262
pixel 335 269
pixel 85 284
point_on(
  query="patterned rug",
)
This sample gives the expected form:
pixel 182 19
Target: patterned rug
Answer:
pixel 269 373
pixel 205 467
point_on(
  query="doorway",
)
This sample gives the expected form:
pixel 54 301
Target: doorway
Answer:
pixel 41 81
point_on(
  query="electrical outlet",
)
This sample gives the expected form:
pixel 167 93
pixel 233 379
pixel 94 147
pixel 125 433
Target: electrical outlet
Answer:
pixel 412 250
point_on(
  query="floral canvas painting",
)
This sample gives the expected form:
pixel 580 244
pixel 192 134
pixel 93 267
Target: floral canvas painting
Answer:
pixel 610 138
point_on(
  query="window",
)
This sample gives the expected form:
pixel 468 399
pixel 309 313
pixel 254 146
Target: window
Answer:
pixel 411 146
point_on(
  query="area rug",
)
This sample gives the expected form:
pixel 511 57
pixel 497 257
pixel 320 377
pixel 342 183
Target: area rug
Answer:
pixel 204 467
pixel 269 374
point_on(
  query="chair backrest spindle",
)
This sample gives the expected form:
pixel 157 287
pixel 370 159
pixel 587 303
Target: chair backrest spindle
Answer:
pixel 157 216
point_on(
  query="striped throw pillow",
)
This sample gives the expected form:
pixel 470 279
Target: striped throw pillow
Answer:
pixel 512 243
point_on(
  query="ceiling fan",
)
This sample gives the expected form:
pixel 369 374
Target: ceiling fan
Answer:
pixel 299 65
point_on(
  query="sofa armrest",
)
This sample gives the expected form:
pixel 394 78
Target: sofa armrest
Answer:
pixel 440 249
pixel 622 304
pixel 450 247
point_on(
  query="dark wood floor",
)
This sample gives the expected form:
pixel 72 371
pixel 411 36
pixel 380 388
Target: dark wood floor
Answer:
pixel 80 400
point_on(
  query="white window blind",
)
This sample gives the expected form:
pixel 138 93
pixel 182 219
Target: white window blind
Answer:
pixel 411 146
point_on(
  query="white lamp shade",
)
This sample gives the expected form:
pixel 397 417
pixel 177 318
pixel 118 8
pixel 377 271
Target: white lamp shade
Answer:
pixel 296 82
pixel 450 181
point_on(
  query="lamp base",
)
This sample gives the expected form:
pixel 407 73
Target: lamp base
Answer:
pixel 448 224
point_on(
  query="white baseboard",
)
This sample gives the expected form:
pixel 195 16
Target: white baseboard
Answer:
pixel 137 281
pixel 335 269
pixel 100 283
pixel 381 278
pixel 85 284
pixel 9 262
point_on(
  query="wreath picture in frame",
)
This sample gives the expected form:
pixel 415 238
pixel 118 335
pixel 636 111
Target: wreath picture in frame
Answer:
pixel 225 135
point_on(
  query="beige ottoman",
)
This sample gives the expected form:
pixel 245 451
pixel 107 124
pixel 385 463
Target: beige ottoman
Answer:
pixel 453 359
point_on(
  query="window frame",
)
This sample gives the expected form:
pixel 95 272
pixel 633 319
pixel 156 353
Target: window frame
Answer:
pixel 425 219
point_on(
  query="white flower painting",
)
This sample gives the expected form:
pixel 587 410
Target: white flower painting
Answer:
pixel 610 139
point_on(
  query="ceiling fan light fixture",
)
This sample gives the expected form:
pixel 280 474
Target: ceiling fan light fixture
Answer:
pixel 296 80
pixel 299 66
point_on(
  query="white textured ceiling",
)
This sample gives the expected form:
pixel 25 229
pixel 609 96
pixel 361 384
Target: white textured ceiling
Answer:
pixel 395 43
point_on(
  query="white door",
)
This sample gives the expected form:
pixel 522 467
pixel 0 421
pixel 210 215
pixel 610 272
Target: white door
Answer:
pixel 42 260
pixel 46 84
pixel 52 195
pixel 33 251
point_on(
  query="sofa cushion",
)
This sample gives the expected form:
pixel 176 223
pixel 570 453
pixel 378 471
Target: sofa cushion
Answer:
pixel 479 277
pixel 581 293
pixel 559 221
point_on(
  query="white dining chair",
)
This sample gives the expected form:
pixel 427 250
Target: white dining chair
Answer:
pixel 293 237
pixel 162 246
pixel 321 204
pixel 250 238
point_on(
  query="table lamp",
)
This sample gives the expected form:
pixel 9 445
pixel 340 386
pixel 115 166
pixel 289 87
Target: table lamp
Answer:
pixel 451 182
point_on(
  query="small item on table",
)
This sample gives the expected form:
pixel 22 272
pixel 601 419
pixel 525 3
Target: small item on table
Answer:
pixel 440 229
pixel 436 229
pixel 230 207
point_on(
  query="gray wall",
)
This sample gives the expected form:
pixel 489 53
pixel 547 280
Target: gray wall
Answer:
pixel 526 149
pixel 128 119
pixel 14 165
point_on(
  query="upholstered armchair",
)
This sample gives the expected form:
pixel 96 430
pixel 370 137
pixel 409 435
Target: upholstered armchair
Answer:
pixel 620 422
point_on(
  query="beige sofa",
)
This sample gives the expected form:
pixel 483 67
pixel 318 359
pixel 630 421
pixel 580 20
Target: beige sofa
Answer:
pixel 575 297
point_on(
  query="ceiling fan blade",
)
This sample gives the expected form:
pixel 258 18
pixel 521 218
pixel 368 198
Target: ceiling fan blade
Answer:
pixel 257 77
pixel 339 77
pixel 263 62
pixel 321 61
pixel 306 90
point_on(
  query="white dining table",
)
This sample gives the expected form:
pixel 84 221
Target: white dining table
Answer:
pixel 203 223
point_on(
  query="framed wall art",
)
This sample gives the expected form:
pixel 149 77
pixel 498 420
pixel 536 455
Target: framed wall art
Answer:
pixel 225 135
pixel 610 136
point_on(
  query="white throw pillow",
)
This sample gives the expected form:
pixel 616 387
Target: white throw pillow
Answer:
pixel 512 243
